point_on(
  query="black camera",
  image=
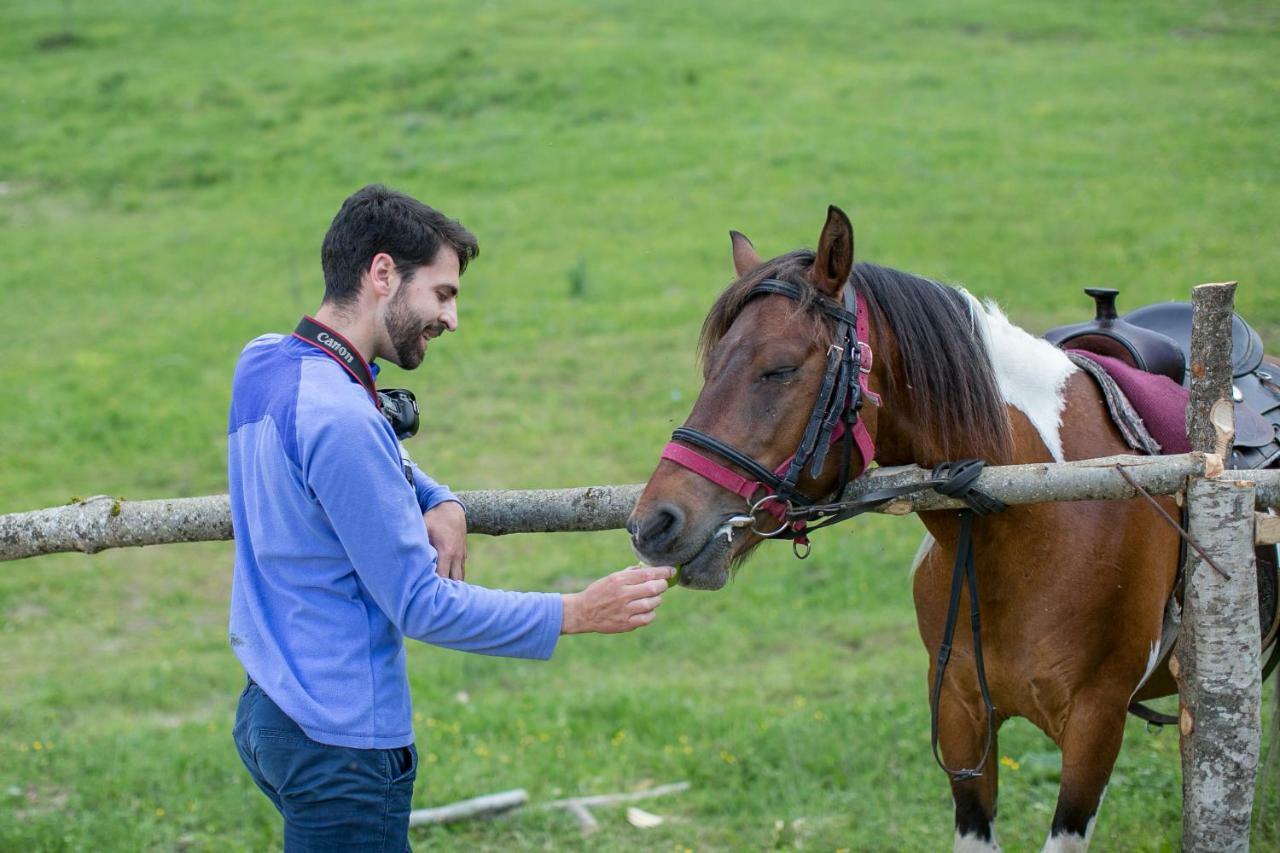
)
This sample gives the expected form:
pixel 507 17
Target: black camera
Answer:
pixel 400 408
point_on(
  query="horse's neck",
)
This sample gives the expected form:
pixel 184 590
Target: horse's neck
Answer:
pixel 1031 375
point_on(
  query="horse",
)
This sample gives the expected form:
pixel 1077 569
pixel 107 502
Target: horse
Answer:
pixel 1072 595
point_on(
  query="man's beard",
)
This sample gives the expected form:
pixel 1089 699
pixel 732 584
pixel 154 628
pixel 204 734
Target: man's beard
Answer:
pixel 405 329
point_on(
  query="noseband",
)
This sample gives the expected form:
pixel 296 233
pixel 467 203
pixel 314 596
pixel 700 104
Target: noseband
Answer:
pixel 834 418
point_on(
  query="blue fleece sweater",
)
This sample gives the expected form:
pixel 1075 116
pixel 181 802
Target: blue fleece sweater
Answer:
pixel 333 567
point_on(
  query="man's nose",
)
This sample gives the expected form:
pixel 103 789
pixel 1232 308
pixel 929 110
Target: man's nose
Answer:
pixel 449 317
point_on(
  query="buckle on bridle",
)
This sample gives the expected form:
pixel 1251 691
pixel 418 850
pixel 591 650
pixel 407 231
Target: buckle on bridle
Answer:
pixel 865 356
pixel 755 507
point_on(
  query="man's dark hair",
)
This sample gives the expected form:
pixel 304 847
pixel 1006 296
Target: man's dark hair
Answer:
pixel 377 219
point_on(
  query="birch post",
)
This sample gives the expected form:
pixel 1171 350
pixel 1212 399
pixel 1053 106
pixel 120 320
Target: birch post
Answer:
pixel 1216 661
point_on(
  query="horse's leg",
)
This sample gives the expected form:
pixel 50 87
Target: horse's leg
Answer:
pixel 1090 742
pixel 962 723
pixel 962 734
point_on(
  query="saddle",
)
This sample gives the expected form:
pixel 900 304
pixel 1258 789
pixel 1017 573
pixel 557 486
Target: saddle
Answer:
pixel 1157 339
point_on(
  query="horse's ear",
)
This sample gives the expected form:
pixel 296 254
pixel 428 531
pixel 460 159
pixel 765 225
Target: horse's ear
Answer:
pixel 744 254
pixel 834 262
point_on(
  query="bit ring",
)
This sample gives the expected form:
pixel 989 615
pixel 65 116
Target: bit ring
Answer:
pixel 755 507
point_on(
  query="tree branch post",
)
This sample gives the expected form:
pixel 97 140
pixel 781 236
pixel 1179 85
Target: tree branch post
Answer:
pixel 1219 681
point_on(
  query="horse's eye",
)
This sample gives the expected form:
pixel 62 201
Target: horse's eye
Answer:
pixel 782 374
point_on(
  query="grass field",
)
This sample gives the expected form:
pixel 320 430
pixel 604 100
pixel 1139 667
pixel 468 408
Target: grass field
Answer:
pixel 167 171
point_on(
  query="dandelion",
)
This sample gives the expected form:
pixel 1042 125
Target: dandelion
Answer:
pixel 482 751
pixel 618 738
pixel 799 701
pixel 432 758
pixel 37 746
pixel 1010 763
pixel 819 716
pixel 159 812
pixel 728 757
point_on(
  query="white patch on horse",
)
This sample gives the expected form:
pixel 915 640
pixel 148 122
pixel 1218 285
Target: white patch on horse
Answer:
pixel 974 844
pixel 1066 843
pixel 1070 842
pixel 925 544
pixel 1030 371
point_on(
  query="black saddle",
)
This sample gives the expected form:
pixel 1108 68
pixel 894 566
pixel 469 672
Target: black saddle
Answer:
pixel 1157 339
pixel 1173 320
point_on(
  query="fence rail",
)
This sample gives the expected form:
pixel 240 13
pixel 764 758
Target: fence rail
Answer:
pixel 103 522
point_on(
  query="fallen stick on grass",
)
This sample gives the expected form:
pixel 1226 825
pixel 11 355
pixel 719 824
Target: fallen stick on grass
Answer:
pixel 492 805
pixel 580 807
pixel 486 806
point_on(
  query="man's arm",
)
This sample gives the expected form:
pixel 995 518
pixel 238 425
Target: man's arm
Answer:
pixel 352 466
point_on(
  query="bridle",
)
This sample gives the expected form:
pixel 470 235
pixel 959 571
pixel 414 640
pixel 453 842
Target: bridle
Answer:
pixel 834 419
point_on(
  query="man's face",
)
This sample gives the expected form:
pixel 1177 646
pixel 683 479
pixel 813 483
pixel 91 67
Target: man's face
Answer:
pixel 424 306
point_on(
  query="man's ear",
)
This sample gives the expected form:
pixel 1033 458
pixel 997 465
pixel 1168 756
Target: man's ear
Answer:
pixel 745 257
pixel 380 275
pixel 834 260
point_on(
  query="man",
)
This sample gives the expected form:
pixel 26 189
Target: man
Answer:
pixel 344 546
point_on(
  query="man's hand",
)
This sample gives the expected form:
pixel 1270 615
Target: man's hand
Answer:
pixel 622 601
pixel 447 531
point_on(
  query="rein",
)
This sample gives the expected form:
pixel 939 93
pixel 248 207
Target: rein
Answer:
pixel 835 419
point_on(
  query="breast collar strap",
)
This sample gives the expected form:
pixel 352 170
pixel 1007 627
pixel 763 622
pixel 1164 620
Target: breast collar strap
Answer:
pixel 834 419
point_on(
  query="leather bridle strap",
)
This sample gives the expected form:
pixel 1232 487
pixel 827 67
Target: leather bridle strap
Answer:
pixel 722 476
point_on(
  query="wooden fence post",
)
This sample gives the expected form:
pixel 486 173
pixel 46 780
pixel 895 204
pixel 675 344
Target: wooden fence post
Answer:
pixel 1219 681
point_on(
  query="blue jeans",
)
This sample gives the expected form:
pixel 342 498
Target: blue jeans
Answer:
pixel 332 797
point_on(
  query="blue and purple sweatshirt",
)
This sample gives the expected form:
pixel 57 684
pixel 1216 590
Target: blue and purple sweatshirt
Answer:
pixel 333 567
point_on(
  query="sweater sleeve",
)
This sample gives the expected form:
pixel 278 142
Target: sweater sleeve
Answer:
pixel 430 493
pixel 351 463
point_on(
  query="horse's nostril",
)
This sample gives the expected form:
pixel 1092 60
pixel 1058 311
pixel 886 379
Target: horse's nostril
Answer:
pixel 661 527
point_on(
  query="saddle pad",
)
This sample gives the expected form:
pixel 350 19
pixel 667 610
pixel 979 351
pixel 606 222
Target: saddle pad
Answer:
pixel 1158 400
pixel 1126 419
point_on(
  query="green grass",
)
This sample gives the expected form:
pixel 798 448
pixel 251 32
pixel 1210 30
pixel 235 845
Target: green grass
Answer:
pixel 166 177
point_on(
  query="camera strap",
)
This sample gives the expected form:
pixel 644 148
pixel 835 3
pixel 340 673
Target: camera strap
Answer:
pixel 334 345
pixel 340 350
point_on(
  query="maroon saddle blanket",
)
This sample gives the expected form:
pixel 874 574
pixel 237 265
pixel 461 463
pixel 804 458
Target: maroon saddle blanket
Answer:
pixel 1158 400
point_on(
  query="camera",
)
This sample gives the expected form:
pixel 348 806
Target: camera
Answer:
pixel 400 408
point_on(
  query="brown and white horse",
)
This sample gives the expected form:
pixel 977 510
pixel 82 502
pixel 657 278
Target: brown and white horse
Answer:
pixel 1072 594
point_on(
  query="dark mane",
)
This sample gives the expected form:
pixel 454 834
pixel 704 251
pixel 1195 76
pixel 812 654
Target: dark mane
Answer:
pixel 944 381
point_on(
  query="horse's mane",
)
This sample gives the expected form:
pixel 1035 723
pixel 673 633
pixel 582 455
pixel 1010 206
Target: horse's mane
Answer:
pixel 944 383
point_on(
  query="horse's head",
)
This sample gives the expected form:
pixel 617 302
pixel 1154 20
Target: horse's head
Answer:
pixel 766 360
